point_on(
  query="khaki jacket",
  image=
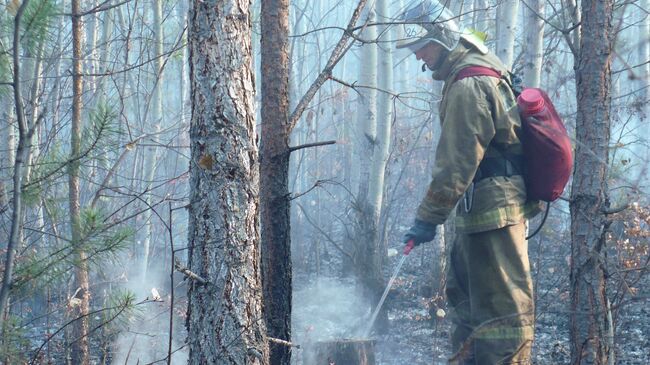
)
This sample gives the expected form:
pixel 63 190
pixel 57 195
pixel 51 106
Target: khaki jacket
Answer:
pixel 477 114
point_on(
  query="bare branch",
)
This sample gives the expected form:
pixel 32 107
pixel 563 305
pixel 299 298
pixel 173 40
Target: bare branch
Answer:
pixel 309 145
pixel 339 50
pixel 182 269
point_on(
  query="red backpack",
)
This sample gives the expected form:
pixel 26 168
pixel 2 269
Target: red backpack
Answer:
pixel 546 144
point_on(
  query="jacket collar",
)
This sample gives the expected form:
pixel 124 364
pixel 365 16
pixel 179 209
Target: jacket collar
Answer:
pixel 454 57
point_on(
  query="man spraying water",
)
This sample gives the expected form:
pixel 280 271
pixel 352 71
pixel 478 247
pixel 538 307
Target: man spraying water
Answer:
pixel 479 163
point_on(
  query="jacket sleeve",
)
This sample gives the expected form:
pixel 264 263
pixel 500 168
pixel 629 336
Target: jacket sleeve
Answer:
pixel 467 129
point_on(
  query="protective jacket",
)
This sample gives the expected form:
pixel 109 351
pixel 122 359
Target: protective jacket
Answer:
pixel 479 119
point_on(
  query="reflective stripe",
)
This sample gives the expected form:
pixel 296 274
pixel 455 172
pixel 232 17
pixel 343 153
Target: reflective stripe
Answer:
pixel 496 218
pixel 504 333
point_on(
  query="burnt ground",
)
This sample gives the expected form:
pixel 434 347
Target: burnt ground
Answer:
pixel 325 309
pixel 414 338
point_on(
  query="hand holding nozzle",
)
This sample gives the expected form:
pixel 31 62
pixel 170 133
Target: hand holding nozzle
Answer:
pixel 420 232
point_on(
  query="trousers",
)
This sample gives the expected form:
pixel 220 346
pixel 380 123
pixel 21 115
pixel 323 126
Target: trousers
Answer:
pixel 490 294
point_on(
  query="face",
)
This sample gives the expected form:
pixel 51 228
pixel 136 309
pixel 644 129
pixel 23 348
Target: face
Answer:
pixel 430 54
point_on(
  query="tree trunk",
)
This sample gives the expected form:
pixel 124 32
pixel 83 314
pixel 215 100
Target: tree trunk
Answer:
pixel 343 352
pixel 365 264
pixel 372 251
pixel 153 153
pixel 482 15
pixel 224 315
pixel 506 28
pixel 644 57
pixel 274 176
pixel 589 198
pixel 79 310
pixel 22 152
pixel 534 43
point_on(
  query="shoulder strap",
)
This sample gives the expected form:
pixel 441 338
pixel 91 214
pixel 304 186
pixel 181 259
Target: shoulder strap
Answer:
pixel 472 71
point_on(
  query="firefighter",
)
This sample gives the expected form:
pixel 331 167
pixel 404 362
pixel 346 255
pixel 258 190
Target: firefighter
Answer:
pixel 478 167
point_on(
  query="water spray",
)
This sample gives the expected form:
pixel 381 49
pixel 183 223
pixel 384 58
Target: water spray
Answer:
pixel 407 249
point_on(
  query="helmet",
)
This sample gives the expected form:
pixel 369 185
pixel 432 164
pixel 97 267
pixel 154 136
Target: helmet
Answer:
pixel 429 21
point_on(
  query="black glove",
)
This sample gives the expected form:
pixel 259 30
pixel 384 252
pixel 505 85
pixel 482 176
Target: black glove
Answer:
pixel 420 232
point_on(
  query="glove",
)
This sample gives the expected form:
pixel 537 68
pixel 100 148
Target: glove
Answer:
pixel 420 232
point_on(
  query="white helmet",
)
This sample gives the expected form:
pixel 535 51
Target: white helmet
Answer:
pixel 429 21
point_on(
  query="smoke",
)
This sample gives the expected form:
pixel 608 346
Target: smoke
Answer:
pixel 146 336
pixel 328 309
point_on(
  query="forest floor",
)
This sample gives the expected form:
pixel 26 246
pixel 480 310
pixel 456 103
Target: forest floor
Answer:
pixel 414 338
pixel 323 309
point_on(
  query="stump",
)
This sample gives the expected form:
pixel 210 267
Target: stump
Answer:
pixel 341 352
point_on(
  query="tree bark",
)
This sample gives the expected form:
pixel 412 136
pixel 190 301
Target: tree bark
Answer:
pixel 644 58
pixel 80 352
pixel 589 197
pixel 22 153
pixel 371 251
pixel 342 352
pixel 224 321
pixel 506 28
pixel 274 176
pixel 534 52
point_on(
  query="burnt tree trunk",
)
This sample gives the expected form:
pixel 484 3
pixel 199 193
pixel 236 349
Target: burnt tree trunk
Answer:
pixel 224 320
pixel 274 176
pixel 590 328
pixel 342 352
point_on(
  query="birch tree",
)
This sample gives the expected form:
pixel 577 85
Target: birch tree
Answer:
pixel 534 42
pixel 376 144
pixel 506 30
pixel 224 324
pixel 366 260
pixel 644 59
pixel 590 329
pixel 151 158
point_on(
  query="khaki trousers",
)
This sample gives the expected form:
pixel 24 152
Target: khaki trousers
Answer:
pixel 490 292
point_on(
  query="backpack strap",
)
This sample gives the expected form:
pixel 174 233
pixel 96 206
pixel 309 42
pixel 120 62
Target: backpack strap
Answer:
pixel 513 80
pixel 472 71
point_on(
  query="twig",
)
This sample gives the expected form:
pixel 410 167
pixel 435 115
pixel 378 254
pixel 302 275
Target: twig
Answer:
pixel 182 269
pixel 298 195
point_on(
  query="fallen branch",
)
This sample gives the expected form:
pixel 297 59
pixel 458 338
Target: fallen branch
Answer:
pixel 608 211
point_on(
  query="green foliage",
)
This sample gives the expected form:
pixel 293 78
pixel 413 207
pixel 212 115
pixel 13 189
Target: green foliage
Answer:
pixel 98 136
pixel 14 341
pixel 46 168
pixel 101 134
pixel 102 242
pixel 120 309
pixel 36 23
pixel 5 57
